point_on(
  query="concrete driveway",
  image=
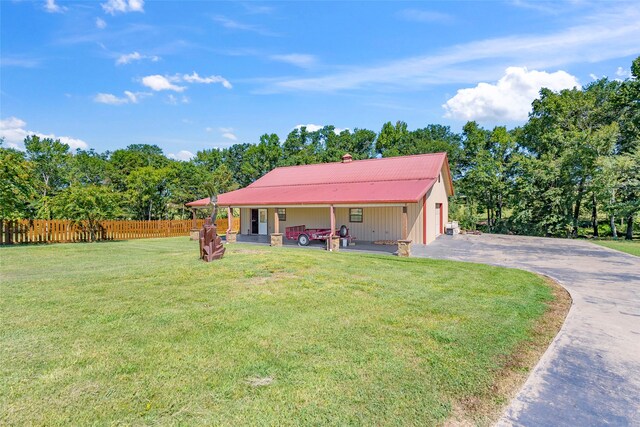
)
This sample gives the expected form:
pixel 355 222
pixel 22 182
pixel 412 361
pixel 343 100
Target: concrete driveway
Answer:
pixel 590 375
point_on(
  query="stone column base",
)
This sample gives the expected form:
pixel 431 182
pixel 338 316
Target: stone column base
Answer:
pixel 194 234
pixel 232 237
pixel 333 244
pixel 404 248
pixel 276 239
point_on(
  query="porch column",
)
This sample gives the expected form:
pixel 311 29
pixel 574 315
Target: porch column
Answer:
pixel 231 235
pixel 404 245
pixel 333 243
pixel 276 236
pixel 405 222
pixel 193 216
pixel 276 221
pixel 332 212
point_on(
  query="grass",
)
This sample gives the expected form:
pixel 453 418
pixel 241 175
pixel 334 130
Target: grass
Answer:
pixel 629 246
pixel 142 332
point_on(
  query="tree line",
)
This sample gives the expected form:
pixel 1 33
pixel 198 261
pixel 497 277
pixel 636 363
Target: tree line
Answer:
pixel 573 168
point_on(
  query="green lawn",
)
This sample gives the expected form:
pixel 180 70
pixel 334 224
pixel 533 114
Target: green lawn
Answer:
pixel 142 332
pixel 629 246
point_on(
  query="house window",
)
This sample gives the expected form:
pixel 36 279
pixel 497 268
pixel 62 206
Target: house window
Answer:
pixel 282 214
pixel 355 215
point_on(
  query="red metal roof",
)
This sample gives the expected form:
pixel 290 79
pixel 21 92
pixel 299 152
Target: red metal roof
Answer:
pixel 387 180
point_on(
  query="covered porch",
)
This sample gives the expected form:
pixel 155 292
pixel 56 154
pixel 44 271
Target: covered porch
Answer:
pixel 384 224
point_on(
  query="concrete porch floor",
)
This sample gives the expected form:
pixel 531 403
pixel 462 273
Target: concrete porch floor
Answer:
pixel 359 246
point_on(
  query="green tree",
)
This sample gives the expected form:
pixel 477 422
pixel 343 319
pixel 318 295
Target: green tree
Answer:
pixel 391 138
pixel 627 110
pixel 50 160
pixel 362 143
pixel 208 159
pixel 486 169
pixel 148 192
pixel 260 159
pixel 87 205
pixel 17 186
pixel 299 148
pixel 123 162
pixel 567 130
pixel 89 167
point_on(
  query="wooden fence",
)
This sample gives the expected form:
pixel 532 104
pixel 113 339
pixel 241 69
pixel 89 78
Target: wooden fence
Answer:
pixel 59 231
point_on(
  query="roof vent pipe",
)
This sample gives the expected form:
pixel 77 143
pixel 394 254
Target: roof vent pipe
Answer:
pixel 347 158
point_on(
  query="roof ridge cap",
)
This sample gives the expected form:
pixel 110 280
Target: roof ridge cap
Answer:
pixel 340 182
pixel 359 160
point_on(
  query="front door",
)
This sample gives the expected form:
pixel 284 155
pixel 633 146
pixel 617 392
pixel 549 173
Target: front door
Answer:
pixel 438 220
pixel 254 221
pixel 262 222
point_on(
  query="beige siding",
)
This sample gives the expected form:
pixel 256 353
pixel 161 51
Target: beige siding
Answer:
pixel 414 214
pixel 311 217
pixel 379 223
pixel 245 221
pixel 437 194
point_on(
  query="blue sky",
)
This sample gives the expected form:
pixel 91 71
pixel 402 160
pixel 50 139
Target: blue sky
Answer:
pixel 192 75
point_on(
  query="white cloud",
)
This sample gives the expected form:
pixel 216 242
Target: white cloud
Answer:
pixel 13 131
pixel 227 133
pixel 123 6
pixel 230 136
pixel 108 98
pixel 623 72
pixel 418 15
pixel 298 59
pixel 135 56
pixel 174 100
pixel 73 143
pixel 135 97
pixel 310 127
pixel 257 9
pixel 157 82
pixel 183 155
pixel 235 25
pixel 605 35
pixel 19 61
pixel 51 7
pixel 509 99
pixel 125 59
pixel 313 128
pixel 101 23
pixel 128 98
pixel 195 78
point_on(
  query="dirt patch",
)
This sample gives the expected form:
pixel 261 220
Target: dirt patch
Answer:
pixel 260 381
pixel 247 251
pixel 516 367
pixel 263 280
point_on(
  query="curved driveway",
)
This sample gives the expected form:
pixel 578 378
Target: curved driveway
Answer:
pixel 590 374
